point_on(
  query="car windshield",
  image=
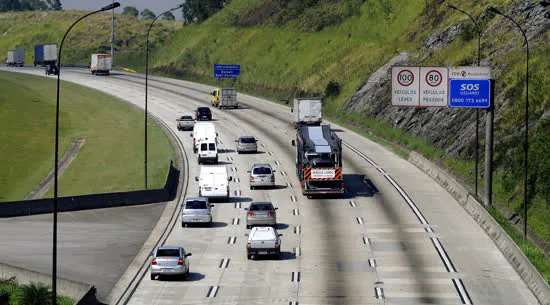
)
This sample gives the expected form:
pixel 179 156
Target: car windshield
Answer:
pixel 248 140
pixel 261 207
pixel 195 205
pixel 168 252
pixel 261 171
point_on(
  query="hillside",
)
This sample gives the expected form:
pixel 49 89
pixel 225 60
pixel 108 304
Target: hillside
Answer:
pixel 22 30
pixel 296 48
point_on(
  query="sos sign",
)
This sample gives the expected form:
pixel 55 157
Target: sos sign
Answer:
pixel 470 93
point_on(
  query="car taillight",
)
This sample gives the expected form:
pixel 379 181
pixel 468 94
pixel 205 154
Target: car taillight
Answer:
pixel 248 245
pixel 194 141
pixel 180 261
pixel 270 214
pixel 154 262
pixel 251 178
pixel 276 245
pixel 250 213
pixel 198 112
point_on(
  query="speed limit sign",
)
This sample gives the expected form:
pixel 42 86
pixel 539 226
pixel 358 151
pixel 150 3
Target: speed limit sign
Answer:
pixel 419 86
pixel 434 78
pixel 434 90
pixel 405 86
pixel 405 78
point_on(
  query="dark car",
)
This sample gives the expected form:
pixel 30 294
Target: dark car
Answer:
pixel 51 69
pixel 203 114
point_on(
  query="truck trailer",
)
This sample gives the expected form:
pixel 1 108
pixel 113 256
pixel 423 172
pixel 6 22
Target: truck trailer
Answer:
pixel 101 64
pixel 224 97
pixel 16 58
pixel 45 54
pixel 307 111
pixel 319 160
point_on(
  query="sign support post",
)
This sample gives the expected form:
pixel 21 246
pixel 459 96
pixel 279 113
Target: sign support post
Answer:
pixel 490 118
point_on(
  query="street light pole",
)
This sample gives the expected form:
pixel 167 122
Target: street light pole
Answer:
pixel 56 164
pixel 113 33
pixel 146 82
pixel 526 144
pixel 478 64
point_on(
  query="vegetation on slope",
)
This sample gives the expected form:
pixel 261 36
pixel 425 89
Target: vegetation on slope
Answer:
pixel 110 161
pixel 23 30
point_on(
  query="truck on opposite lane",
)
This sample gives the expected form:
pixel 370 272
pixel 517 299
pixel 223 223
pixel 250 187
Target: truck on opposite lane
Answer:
pixel 101 64
pixel 16 58
pixel 224 97
pixel 45 54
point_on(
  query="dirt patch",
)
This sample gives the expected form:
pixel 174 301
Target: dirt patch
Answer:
pixel 258 15
pixel 44 186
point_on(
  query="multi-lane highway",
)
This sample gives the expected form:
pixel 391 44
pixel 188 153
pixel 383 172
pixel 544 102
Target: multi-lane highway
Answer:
pixel 396 237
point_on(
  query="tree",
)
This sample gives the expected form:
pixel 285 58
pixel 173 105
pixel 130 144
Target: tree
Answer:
pixel 168 16
pixel 200 10
pixel 147 14
pixel 130 11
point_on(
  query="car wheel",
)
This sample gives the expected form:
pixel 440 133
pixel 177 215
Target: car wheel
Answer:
pixel 249 256
pixel 248 227
pixel 152 277
pixel 182 224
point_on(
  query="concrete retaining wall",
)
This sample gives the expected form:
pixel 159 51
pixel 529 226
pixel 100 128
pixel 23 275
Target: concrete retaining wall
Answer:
pixel 83 294
pixel 534 280
pixel 94 201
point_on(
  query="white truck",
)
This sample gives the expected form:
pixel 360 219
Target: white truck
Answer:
pixel 224 97
pixel 45 54
pixel 16 58
pixel 263 241
pixel 214 182
pixel 307 111
pixel 101 64
pixel 185 122
pixel 203 131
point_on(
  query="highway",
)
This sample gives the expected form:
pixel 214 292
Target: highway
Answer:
pixel 396 237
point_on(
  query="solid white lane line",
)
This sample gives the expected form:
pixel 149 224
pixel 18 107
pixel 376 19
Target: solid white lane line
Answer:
pixel 372 262
pixel 464 296
pixel 443 255
pixel 429 230
pixel 359 220
pixel 366 241
pixel 212 292
pixel 352 203
pixel 293 198
pixel 407 199
pixel 379 292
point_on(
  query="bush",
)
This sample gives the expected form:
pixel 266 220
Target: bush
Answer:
pixel 35 294
pixel 332 89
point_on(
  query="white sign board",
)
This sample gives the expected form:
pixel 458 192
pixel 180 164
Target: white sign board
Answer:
pixel 420 86
pixel 470 73
pixel 322 173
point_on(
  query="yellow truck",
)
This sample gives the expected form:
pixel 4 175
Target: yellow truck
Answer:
pixel 224 97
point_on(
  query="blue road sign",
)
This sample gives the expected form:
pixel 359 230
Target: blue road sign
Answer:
pixel 226 71
pixel 470 93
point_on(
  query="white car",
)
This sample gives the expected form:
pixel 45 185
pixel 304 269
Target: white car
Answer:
pixel 263 241
pixel 196 210
pixel 169 261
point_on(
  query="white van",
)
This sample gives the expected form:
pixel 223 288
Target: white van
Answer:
pixel 203 130
pixel 208 151
pixel 214 182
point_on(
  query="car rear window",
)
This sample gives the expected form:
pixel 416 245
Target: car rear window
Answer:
pixel 195 205
pixel 260 207
pixel 203 109
pixel 211 146
pixel 204 146
pixel 248 140
pixel 168 252
pixel 261 171
pixel 186 117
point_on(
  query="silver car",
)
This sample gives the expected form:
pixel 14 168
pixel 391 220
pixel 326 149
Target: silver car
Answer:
pixel 169 261
pixel 261 175
pixel 261 214
pixel 247 144
pixel 196 210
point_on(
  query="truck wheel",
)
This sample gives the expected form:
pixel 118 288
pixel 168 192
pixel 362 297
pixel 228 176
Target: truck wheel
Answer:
pixel 152 277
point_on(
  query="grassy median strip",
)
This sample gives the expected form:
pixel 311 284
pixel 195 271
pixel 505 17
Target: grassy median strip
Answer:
pixel 110 161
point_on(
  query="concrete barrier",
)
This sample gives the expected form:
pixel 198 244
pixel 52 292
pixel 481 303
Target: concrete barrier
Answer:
pixel 528 273
pixel 94 201
pixel 83 294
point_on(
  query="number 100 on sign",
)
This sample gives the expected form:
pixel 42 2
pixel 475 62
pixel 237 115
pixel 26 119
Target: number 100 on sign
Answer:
pixel 405 86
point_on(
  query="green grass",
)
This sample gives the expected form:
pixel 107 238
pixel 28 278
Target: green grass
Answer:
pixel 91 35
pixel 110 161
pixel 14 290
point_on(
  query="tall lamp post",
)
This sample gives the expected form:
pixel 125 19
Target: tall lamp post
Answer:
pixel 478 64
pixel 526 144
pixel 146 81
pixel 54 246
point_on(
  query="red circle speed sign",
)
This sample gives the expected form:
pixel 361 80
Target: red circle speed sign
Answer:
pixel 405 78
pixel 434 78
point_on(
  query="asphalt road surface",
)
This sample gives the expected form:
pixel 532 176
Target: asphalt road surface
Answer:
pixel 396 237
